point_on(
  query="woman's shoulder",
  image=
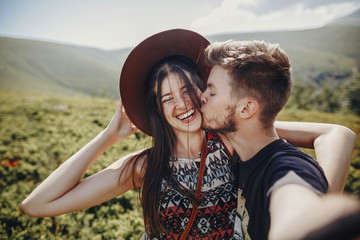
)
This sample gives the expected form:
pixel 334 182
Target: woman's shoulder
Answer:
pixel 133 164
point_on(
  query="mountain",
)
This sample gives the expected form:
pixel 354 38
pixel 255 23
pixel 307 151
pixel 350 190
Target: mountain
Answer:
pixel 50 68
pixel 350 20
pixel 330 53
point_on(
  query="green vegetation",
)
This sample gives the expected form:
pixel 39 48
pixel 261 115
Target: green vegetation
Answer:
pixel 38 133
pixel 339 97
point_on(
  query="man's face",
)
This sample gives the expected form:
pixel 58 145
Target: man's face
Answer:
pixel 218 106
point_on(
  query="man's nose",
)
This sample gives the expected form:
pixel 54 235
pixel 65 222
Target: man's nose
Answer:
pixel 203 98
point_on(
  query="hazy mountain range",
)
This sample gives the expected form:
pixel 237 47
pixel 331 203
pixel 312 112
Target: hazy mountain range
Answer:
pixel 330 53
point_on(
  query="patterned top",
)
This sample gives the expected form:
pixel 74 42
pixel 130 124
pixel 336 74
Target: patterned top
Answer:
pixel 217 208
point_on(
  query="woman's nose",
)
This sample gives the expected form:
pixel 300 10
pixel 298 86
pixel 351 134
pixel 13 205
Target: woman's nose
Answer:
pixel 180 103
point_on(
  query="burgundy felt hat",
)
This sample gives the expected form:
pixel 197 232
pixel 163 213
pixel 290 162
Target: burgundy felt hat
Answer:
pixel 141 60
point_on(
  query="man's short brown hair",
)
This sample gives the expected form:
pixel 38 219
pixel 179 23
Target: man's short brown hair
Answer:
pixel 258 69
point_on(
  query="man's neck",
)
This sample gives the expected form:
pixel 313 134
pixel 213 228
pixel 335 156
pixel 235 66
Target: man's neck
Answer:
pixel 249 141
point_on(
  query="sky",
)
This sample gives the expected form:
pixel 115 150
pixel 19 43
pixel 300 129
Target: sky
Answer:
pixel 114 24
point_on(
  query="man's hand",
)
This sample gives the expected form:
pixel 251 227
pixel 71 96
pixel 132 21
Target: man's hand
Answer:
pixel 297 210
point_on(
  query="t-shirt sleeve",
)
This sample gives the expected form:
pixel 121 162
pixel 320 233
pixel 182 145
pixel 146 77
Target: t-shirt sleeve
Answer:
pixel 295 170
pixel 291 178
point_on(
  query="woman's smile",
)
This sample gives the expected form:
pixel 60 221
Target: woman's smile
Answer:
pixel 187 116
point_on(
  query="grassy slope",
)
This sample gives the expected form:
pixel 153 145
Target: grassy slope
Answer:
pixel 58 69
pixel 37 133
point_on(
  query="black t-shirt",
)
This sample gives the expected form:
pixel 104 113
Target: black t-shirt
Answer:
pixel 275 165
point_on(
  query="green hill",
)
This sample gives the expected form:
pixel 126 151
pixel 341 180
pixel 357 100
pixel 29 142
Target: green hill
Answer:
pixel 35 66
pixel 330 53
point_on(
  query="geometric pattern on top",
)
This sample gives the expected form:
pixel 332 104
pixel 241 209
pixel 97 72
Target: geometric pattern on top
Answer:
pixel 217 207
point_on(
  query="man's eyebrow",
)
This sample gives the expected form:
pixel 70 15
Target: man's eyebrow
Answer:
pixel 210 85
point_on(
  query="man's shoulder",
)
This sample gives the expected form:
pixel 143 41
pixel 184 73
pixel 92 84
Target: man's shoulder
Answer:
pixel 283 151
pixel 275 155
pixel 295 166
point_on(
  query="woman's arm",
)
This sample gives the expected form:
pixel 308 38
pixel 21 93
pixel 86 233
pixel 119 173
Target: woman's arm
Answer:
pixel 64 191
pixel 333 146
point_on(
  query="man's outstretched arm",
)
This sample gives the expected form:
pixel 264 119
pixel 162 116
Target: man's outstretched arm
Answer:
pixel 333 146
pixel 296 211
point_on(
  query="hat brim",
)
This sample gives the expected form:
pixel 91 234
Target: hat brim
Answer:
pixel 141 60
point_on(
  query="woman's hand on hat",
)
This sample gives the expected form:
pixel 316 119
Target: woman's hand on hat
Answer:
pixel 120 127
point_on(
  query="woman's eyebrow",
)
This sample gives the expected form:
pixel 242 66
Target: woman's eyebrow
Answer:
pixel 166 94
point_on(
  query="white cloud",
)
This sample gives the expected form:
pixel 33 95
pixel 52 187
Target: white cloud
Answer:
pixel 113 24
pixel 234 4
pixel 236 16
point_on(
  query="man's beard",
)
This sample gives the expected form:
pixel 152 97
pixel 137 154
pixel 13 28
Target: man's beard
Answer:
pixel 221 123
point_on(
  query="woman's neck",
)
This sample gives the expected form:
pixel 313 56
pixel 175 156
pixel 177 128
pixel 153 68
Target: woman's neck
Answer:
pixel 189 145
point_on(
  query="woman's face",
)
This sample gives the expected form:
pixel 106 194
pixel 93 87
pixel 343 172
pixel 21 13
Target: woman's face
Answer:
pixel 179 110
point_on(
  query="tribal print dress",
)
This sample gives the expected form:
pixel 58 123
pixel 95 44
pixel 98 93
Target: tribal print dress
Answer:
pixel 217 209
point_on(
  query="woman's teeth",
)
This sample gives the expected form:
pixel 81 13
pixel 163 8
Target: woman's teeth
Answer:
pixel 185 115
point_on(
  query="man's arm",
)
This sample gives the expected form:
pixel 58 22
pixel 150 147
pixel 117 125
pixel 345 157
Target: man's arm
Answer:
pixel 296 211
pixel 333 145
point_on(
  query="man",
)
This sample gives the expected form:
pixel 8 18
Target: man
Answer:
pixel 249 84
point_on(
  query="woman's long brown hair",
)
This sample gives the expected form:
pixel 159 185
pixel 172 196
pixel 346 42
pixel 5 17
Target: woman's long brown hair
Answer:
pixel 157 157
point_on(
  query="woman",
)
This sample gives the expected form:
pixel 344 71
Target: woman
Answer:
pixel 166 72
